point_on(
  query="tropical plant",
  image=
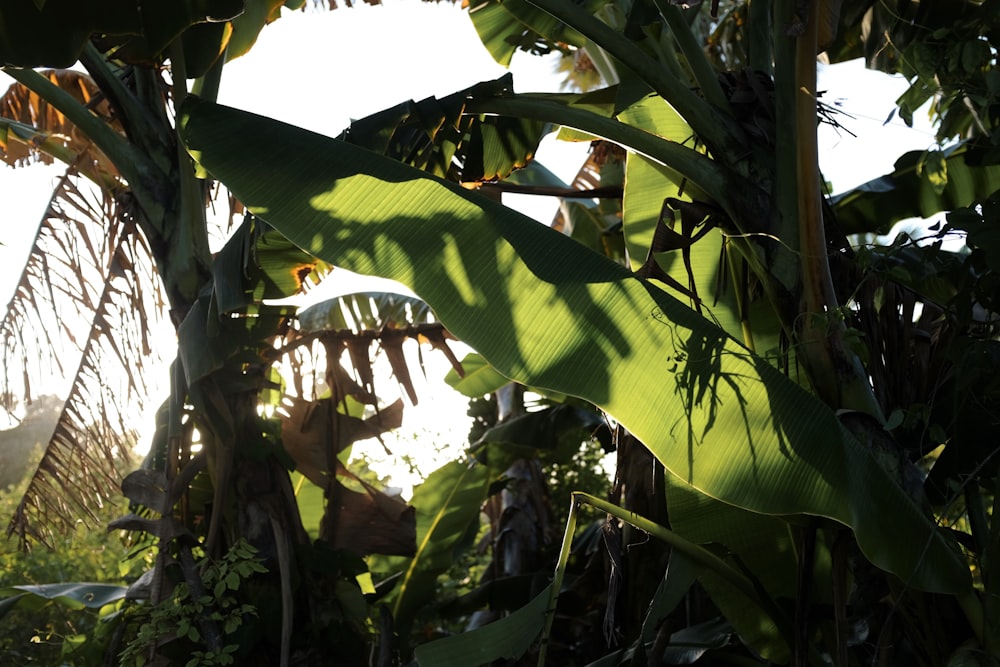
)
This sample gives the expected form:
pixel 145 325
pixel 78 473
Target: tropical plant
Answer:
pixel 757 430
pixel 794 412
pixel 128 239
pixel 36 628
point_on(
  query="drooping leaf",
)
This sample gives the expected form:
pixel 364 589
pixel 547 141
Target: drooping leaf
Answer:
pixel 677 580
pixel 368 522
pixel 72 595
pixel 435 135
pixel 480 378
pixel 506 639
pixel 32 129
pixel 547 312
pixel 762 543
pixel 247 26
pixel 259 263
pixel 504 26
pixel 82 313
pixel 447 503
pixel 543 429
pixel 315 432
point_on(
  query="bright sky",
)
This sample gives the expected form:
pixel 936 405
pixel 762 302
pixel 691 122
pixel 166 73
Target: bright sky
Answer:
pixel 318 70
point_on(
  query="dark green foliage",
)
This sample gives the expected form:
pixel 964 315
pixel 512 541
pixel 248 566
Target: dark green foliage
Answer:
pixel 47 632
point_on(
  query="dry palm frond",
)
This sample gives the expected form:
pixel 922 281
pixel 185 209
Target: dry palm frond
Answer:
pixel 39 125
pixel 78 320
pixel 589 175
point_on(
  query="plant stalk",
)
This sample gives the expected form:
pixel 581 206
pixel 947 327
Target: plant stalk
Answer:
pixel 835 371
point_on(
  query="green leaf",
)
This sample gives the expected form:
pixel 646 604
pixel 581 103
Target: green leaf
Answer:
pixel 258 263
pixel 480 378
pixel 436 135
pixel 677 580
pixel 310 501
pixel 764 546
pixel 543 429
pixel 506 639
pixel 547 312
pixel 247 26
pixel 506 25
pixel 447 503
pixel 934 170
pixel 911 192
pixel 53 33
pixel 77 595
pixel 364 310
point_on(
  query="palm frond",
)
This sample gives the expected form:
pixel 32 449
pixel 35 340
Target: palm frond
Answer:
pixel 78 320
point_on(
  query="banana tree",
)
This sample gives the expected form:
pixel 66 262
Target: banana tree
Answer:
pixel 768 463
pixel 125 240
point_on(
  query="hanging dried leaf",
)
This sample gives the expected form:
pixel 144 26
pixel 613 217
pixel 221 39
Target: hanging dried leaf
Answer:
pixel 40 122
pixel 369 522
pixel 392 345
pixel 339 380
pixel 314 433
pixel 81 316
pixel 438 340
pixel 357 347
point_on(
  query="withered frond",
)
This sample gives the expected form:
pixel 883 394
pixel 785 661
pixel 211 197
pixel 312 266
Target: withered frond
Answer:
pixel 588 177
pixel 32 130
pixel 81 318
pixel 360 328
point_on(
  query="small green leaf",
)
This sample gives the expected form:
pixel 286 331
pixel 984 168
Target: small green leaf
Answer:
pixel 365 583
pixel 895 419
pixel 934 169
pixel 480 378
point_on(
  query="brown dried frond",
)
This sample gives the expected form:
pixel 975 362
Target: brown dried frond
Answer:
pixel 24 146
pixel 80 319
pixel 589 175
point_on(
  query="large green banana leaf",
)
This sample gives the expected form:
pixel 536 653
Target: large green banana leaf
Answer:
pixel 447 503
pixel 508 639
pixel 547 312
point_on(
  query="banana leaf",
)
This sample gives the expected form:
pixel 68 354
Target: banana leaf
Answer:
pixel 447 503
pixel 547 312
pixel 436 135
pixel 508 639
pixel 912 190
pixel 480 378
pixel 76 595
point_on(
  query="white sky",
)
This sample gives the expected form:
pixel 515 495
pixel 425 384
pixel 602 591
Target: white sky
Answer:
pixel 318 70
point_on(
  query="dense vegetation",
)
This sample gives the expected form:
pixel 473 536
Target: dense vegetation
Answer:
pixel 804 411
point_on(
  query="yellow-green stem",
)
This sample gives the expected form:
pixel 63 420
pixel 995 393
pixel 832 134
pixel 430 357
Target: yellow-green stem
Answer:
pixel 835 371
pixel 550 611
